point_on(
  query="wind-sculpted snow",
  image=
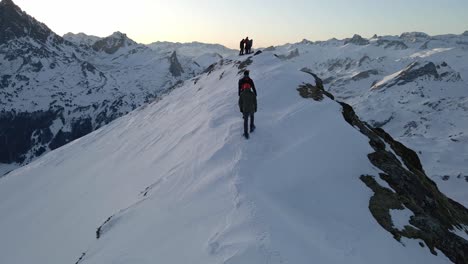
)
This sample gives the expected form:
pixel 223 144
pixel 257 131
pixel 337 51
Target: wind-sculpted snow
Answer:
pixel 175 182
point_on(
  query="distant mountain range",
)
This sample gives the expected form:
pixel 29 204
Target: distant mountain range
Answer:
pixel 415 86
pixel 56 89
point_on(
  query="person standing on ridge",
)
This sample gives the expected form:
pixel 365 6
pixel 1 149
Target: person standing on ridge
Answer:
pixel 242 47
pixel 247 41
pixel 247 102
pixel 250 45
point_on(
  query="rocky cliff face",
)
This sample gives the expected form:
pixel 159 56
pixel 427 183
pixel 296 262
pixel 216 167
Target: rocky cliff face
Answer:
pixel 113 43
pixel 357 40
pixel 14 23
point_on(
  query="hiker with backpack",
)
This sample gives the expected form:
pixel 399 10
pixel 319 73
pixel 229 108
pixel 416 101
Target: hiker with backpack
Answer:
pixel 247 102
pixel 242 47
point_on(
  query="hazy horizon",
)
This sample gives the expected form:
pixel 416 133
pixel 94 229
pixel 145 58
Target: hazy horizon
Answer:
pixel 268 22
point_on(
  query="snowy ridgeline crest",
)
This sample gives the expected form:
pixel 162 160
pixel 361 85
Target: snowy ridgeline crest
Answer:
pixel 56 89
pixel 415 86
pixel 175 182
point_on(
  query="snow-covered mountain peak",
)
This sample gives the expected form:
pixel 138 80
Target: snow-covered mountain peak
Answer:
pixel 10 4
pixel 415 36
pixel 420 70
pixel 113 43
pixel 81 38
pixel 192 49
pixel 357 40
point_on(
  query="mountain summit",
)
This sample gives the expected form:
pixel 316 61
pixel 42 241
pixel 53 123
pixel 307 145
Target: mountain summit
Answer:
pixel 14 23
pixel 113 43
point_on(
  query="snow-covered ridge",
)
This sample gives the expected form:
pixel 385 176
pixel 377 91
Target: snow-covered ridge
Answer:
pixel 192 49
pixel 413 85
pixel 174 182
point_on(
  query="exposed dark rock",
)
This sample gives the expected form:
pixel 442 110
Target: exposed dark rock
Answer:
pixel 292 54
pixel 244 64
pixel 357 40
pixel 308 90
pixel 363 59
pixel 306 42
pixel 258 52
pixel 210 69
pixel 175 68
pixel 81 258
pixel 113 43
pixel 337 64
pixel 435 215
pixel 364 75
pixel 414 36
pixel 465 33
pixel 411 73
pixel 14 23
pixel 99 230
pixel 398 45
pixel 381 123
pixel 317 91
pixel 5 81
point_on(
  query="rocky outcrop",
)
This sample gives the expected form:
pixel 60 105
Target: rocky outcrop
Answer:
pixel 357 40
pixel 394 44
pixel 465 33
pixel 414 71
pixel 14 23
pixel 292 54
pixel 435 216
pixel 113 43
pixel 414 36
pixel 364 75
pixel 175 68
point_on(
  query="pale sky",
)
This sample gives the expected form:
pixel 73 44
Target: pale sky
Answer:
pixel 268 22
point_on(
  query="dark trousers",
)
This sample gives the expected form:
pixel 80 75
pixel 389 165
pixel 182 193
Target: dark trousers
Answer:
pixel 246 122
pixel 241 51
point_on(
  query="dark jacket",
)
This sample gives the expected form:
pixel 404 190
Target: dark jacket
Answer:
pixel 247 98
pixel 247 79
pixel 248 102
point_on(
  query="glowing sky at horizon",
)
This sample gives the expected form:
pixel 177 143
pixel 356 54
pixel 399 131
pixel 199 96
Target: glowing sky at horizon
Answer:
pixel 268 22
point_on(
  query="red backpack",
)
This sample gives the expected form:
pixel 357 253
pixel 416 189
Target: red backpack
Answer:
pixel 246 86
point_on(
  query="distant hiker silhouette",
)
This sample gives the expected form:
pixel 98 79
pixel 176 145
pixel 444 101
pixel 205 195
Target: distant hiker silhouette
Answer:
pixel 247 102
pixel 242 47
pixel 246 43
pixel 248 46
